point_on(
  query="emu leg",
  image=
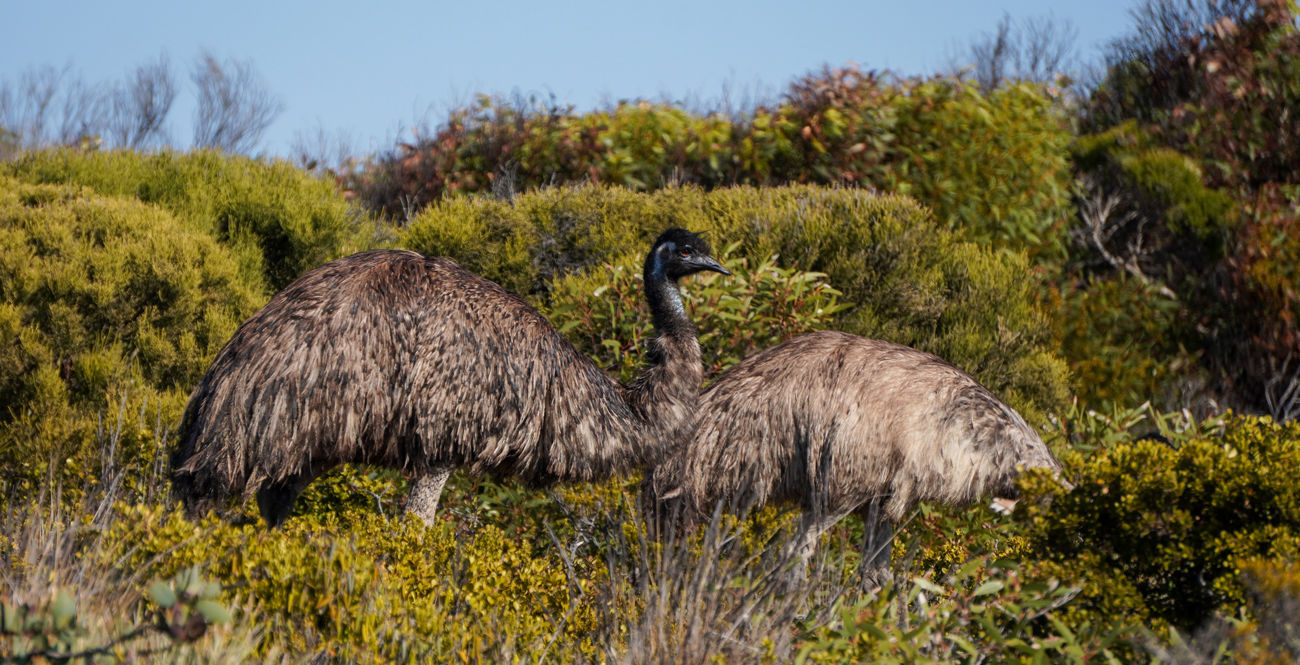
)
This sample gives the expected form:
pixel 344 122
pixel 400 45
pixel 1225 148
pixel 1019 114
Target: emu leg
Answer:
pixel 800 548
pixel 275 500
pixel 425 492
pixel 877 542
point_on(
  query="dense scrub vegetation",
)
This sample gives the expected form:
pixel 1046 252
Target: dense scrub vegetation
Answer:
pixel 278 221
pixel 1119 268
pixel 900 277
pixel 1189 186
pixel 994 167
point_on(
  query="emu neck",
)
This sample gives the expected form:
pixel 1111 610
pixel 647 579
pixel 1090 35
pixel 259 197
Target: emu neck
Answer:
pixel 666 305
pixel 665 395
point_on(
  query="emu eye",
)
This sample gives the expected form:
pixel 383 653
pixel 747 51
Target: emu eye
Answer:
pixel 685 252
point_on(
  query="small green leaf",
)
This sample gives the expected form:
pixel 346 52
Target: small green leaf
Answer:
pixel 63 607
pixel 210 590
pixel 991 586
pixel 212 611
pixel 927 585
pixel 163 594
pixel 964 644
pixel 12 618
pixel 970 567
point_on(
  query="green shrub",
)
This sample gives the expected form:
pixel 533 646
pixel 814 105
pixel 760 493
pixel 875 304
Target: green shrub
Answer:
pixel 993 168
pixel 1192 123
pixel 985 611
pixel 380 591
pixel 1143 296
pixel 601 311
pixel 1126 343
pixel 904 279
pixel 279 220
pixel 1158 531
pixel 110 310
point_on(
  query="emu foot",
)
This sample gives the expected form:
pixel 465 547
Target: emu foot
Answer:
pixel 875 577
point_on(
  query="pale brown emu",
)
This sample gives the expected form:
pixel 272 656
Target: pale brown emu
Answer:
pixel 401 360
pixel 838 424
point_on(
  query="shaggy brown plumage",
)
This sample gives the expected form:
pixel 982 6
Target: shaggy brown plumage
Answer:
pixel 401 360
pixel 837 424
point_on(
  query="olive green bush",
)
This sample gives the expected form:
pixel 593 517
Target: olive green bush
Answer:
pixel 902 278
pixel 110 310
pixel 379 590
pixel 993 168
pixel 1189 127
pixel 278 220
pixel 602 311
pixel 1143 297
pixel 1126 343
pixel 985 611
pixel 1158 531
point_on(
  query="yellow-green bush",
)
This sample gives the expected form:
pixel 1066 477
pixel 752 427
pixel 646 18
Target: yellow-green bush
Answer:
pixel 110 310
pixel 992 167
pixel 602 312
pixel 904 279
pixel 380 590
pixel 279 220
pixel 986 611
pixel 1125 343
pixel 1157 531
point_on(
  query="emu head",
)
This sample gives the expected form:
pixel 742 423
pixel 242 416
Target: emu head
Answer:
pixel 678 253
pixel 1032 454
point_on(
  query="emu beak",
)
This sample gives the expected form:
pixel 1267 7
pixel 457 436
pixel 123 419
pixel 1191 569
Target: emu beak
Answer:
pixel 710 263
pixel 1003 506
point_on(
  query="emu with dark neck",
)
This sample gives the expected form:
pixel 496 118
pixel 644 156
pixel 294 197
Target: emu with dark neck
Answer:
pixel 411 362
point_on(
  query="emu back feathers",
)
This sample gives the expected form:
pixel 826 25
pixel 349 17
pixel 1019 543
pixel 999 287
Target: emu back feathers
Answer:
pixel 837 420
pixel 394 358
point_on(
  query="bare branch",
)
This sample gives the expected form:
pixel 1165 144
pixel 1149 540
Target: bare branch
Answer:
pixel 141 104
pixel 1037 49
pixel 1100 212
pixel 1282 389
pixel 991 56
pixel 83 114
pixel 50 106
pixel 320 151
pixel 1048 48
pixel 234 107
pixel 25 106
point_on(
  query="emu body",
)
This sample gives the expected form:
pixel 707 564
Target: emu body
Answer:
pixel 405 361
pixel 837 424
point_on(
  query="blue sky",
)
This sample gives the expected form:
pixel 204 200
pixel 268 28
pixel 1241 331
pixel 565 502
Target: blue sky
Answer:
pixel 367 70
